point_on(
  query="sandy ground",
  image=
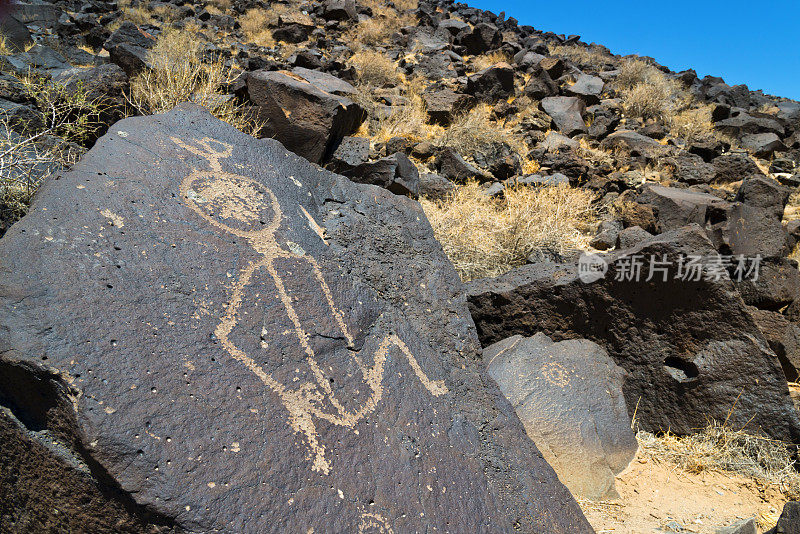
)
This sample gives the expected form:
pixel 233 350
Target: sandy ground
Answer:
pixel 661 497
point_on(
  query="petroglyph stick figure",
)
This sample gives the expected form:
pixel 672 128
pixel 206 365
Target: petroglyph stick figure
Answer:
pixel 234 204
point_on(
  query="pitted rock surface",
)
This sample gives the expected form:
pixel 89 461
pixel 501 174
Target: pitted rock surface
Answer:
pixel 244 342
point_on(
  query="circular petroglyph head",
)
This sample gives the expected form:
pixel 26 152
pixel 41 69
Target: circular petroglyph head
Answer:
pixel 591 268
pixel 556 374
pixel 233 202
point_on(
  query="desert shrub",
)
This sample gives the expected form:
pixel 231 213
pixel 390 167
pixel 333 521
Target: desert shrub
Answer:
pixel 374 69
pixel 484 61
pixel 178 74
pixel 647 92
pixel 31 151
pixel 255 24
pixel 379 28
pixel 409 121
pixel 594 154
pixel 722 448
pixel 485 236
pixel 473 131
pixel 693 123
pixel 72 115
pixel 583 55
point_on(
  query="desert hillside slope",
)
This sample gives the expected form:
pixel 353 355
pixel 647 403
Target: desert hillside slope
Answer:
pixel 360 266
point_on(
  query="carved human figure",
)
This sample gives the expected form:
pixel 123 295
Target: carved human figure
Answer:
pixel 239 205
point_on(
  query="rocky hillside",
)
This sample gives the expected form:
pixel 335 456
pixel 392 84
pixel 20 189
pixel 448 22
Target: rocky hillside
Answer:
pixel 429 276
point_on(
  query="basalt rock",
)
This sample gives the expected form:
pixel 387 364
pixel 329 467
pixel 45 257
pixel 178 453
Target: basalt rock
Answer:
pixel 220 335
pixel 304 116
pixel 567 113
pixel 691 349
pixel 569 397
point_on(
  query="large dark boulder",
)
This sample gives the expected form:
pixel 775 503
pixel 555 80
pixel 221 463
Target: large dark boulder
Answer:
pixel 588 88
pixel 751 231
pixel 206 328
pixel 763 192
pixel 128 48
pixel 675 207
pixel 492 83
pixel 480 39
pixel 302 115
pixel 340 10
pixel 16 34
pixel 444 105
pixel 789 522
pixel 540 84
pixel 691 349
pixel 396 173
pixel 454 167
pixel 733 167
pixel 777 284
pixel 783 337
pixel 566 112
pixel 569 397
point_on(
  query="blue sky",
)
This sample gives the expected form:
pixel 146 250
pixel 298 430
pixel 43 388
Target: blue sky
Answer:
pixel 756 43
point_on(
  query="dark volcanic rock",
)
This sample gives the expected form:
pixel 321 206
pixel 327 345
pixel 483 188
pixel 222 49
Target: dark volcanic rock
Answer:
pixel 396 173
pixel 588 88
pixel 789 522
pixel 569 397
pixel 690 169
pixel 351 152
pixel 734 167
pixel 777 285
pixel 482 38
pixel 567 113
pixel 453 167
pixel 783 337
pixel 675 207
pixel 762 144
pixel 128 47
pixel 540 84
pixel 763 192
pixel 243 341
pixel 690 347
pixel 492 84
pixel 434 186
pixel 308 120
pixel 16 34
pixel 442 106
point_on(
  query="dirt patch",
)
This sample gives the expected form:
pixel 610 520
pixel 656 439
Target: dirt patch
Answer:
pixel 660 496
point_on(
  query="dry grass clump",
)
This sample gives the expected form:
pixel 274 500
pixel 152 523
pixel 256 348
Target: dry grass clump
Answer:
pixel 254 24
pixel 472 131
pixel 594 154
pixel 692 124
pixel 179 74
pixel 475 131
pixel 5 49
pixel 647 92
pixel 378 29
pixel 583 55
pixel 721 448
pixel 485 236
pixel 484 61
pixel 409 121
pixel 374 69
